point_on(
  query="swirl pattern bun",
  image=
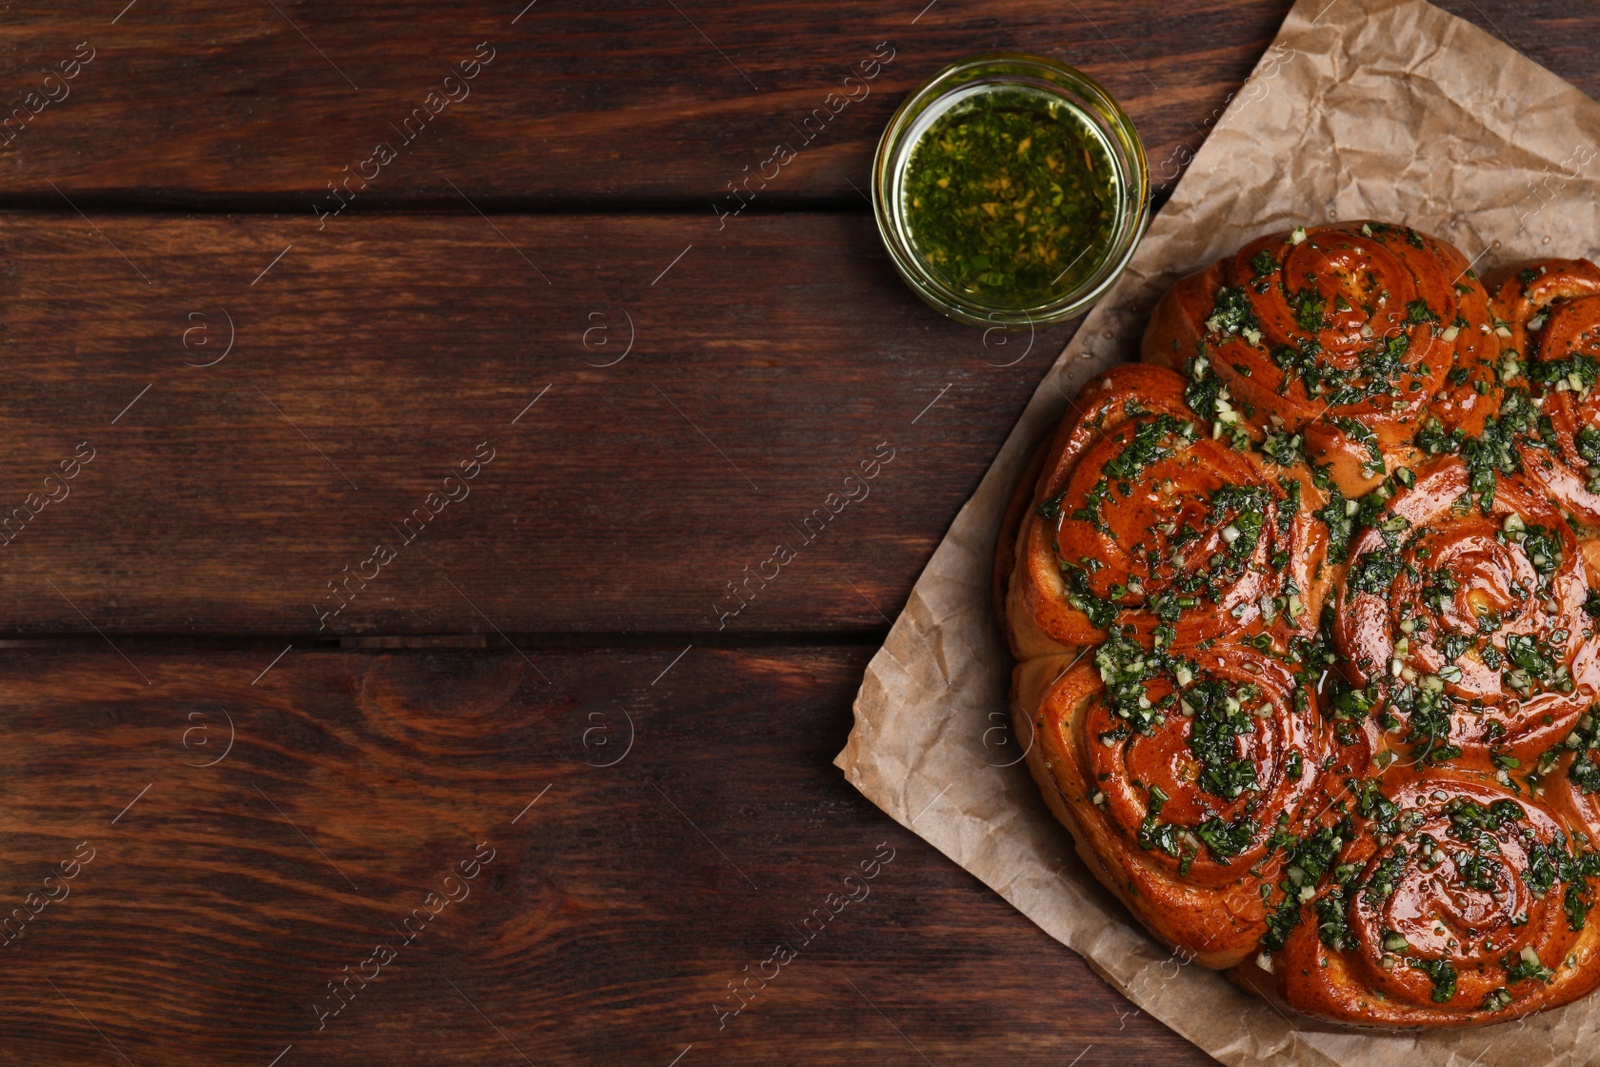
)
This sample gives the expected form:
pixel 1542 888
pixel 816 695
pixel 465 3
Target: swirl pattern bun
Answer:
pixel 1452 904
pixel 1193 766
pixel 1150 519
pixel 1549 312
pixel 1305 613
pixel 1351 335
pixel 1429 583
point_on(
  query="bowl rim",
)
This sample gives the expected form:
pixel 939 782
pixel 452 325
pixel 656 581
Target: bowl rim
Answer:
pixel 1076 89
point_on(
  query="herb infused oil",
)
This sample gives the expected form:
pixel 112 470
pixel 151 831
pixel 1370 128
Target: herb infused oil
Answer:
pixel 1011 196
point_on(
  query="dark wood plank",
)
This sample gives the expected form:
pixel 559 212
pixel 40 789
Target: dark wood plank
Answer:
pixel 220 900
pixel 593 101
pixel 769 362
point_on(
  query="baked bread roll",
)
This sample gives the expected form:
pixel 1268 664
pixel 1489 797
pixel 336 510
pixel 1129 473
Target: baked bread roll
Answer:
pixel 1451 905
pixel 1179 806
pixel 1306 627
pixel 1355 335
pixel 1549 313
pixel 1143 514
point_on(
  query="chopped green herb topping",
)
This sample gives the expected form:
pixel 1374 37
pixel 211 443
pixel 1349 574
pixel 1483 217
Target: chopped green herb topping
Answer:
pixel 1012 195
pixel 1443 973
pixel 1525 966
pixel 1232 313
pixel 1217 719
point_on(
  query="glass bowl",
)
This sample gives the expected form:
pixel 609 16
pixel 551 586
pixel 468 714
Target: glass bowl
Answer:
pixel 960 84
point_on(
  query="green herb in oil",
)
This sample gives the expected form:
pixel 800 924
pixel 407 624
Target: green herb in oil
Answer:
pixel 1012 196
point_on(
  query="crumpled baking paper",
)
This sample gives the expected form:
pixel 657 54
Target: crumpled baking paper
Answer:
pixel 1360 109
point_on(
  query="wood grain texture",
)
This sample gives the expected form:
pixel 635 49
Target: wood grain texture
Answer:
pixel 591 102
pixel 378 351
pixel 594 102
pixel 602 101
pixel 613 913
pixel 768 363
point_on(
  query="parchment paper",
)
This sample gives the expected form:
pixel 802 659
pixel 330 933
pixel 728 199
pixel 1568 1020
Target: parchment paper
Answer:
pixel 1361 108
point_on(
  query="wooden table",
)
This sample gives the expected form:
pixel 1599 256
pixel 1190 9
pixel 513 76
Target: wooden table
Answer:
pixel 370 689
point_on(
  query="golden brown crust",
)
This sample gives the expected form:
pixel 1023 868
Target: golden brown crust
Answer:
pixel 1549 312
pixel 1213 909
pixel 1305 613
pixel 1480 921
pixel 1425 578
pixel 1105 528
pixel 1347 334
